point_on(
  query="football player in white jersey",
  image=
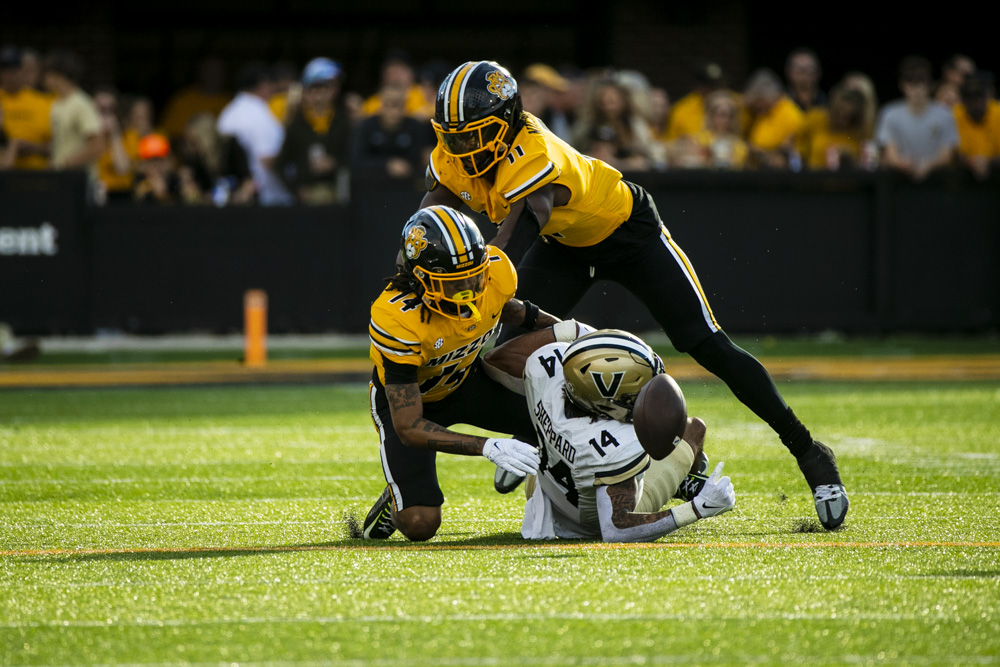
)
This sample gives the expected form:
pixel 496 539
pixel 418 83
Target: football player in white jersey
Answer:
pixel 596 480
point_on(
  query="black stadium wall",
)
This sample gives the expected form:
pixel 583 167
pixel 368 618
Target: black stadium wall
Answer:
pixel 775 252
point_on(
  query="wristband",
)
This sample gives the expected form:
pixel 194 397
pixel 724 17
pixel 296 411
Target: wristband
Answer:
pixel 684 514
pixel 530 316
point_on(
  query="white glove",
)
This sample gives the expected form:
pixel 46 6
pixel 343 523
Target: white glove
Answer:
pixel 716 496
pixel 514 456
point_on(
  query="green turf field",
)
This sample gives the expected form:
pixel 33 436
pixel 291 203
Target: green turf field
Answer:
pixel 204 525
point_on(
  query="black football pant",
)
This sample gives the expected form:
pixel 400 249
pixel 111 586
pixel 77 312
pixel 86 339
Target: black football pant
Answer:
pixel 412 472
pixel 642 257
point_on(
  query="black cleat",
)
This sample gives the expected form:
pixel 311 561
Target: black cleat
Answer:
pixel 819 466
pixel 378 524
pixel 505 482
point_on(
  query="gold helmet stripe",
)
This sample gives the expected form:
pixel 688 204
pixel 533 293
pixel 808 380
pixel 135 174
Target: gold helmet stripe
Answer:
pixel 453 232
pixel 455 93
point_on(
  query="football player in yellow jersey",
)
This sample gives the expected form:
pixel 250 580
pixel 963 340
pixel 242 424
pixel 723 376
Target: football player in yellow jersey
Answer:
pixel 594 225
pixel 427 329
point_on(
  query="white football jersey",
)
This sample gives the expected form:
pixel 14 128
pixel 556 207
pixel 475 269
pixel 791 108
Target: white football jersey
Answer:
pixel 578 454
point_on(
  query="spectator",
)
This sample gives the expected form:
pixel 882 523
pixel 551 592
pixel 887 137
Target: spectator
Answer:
pixel 317 136
pixel 138 118
pixel 775 122
pixel 802 76
pixel 610 129
pixel 955 70
pixel 639 88
pixel 287 91
pixel 31 68
pixel 916 134
pixel 540 88
pixel 835 137
pixel 688 114
pixel 115 165
pixel 157 181
pixel 565 106
pixel 430 76
pixel 398 72
pixel 863 83
pixel 719 144
pixel 391 143
pixel 77 142
pixel 207 94
pixel 26 114
pixel 659 111
pixel 198 154
pixel 249 120
pixel 977 119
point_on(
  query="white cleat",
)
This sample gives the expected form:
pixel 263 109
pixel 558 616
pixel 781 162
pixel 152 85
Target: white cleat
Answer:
pixel 831 504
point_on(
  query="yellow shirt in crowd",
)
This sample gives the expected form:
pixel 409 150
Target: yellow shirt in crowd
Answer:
pixel 979 139
pixel 687 117
pixel 112 179
pixel 783 122
pixel 818 140
pixel 26 116
pixel 188 103
pixel 416 103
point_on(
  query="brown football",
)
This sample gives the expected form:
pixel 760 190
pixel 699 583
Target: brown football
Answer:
pixel 660 416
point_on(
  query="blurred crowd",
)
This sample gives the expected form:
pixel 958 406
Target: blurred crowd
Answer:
pixel 286 134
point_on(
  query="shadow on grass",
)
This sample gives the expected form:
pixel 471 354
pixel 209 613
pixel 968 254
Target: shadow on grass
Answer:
pixel 501 540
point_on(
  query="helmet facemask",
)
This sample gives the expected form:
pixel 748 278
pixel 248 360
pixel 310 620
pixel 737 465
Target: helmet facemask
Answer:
pixel 478 145
pixel 454 294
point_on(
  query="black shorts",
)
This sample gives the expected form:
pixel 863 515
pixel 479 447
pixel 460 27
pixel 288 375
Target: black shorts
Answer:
pixel 640 256
pixel 411 472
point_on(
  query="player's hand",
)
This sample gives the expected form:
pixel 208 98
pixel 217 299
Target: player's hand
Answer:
pixel 514 456
pixel 716 496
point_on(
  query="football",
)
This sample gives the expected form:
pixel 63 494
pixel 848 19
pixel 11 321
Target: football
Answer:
pixel 660 416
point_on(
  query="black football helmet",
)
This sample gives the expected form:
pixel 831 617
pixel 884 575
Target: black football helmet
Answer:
pixel 444 252
pixel 477 114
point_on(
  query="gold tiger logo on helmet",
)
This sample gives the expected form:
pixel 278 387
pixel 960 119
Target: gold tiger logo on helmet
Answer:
pixel 501 85
pixel 415 242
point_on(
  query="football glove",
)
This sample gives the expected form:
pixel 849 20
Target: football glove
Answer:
pixel 716 496
pixel 514 456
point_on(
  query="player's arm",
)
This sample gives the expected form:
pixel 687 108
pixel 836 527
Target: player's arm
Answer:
pixel 438 195
pixel 505 363
pixel 619 523
pixel 526 315
pixel 407 409
pixel 525 220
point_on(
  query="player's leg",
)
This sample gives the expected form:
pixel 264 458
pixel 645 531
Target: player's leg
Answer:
pixel 663 479
pixel 550 278
pixel 412 499
pixel 662 277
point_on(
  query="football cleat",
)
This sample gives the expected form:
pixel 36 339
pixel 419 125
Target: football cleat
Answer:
pixel 378 524
pixel 819 466
pixel 831 504
pixel 505 481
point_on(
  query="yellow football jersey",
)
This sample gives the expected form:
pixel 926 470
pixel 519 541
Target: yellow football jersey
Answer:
pixel 599 200
pixel 442 348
